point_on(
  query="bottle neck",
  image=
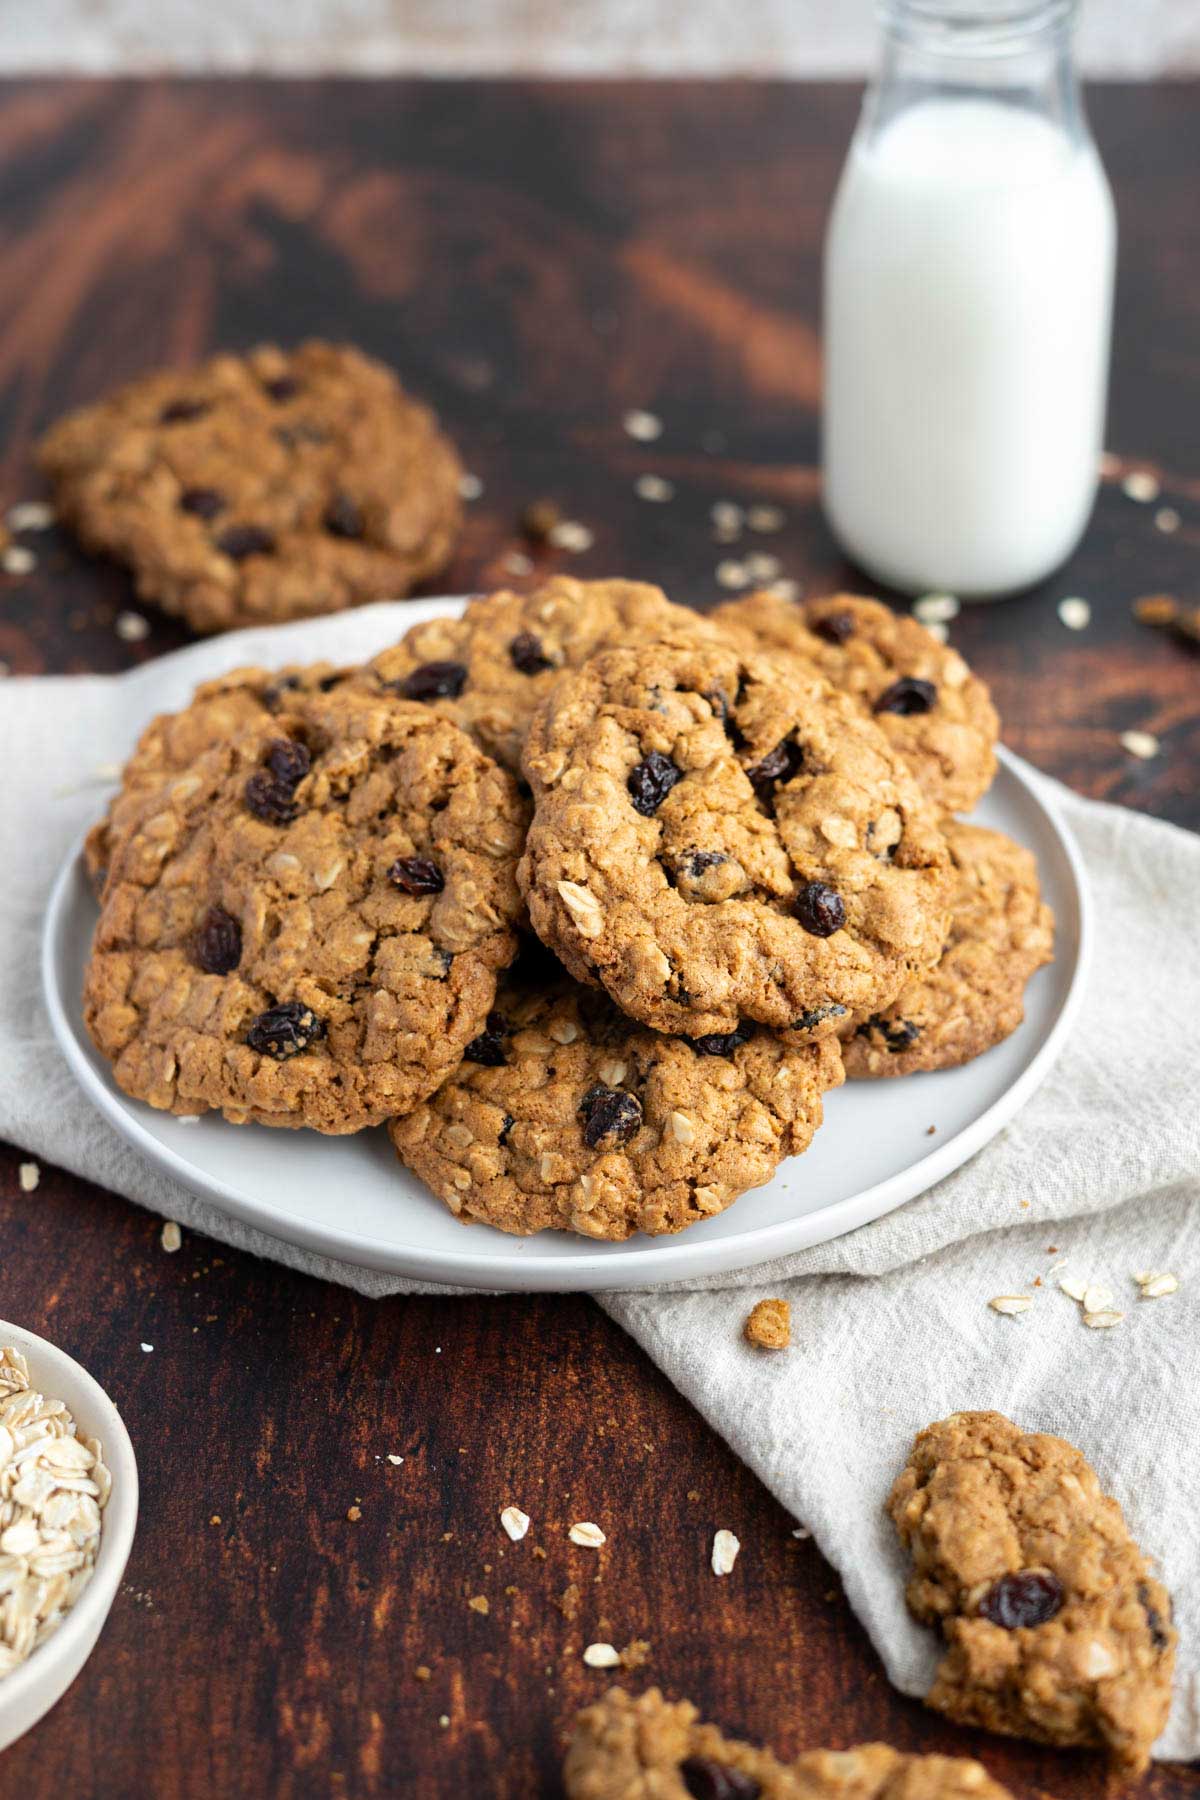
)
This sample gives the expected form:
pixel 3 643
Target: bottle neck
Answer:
pixel 1014 51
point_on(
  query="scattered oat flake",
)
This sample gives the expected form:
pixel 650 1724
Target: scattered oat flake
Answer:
pixel 726 515
pixel 1073 1286
pixel 517 563
pixel 588 1535
pixel 1076 614
pixel 761 567
pixel 1011 1304
pixel 172 1237
pixel 785 588
pixel 644 426
pixel 469 487
pixel 731 574
pixel 939 631
pixel 570 535
pixel 515 1522
pixel 1167 519
pixel 936 609
pixel 30 515
pixel 765 518
pixel 653 487
pixel 1142 744
pixel 1157 1287
pixel 1100 1321
pixel 601 1656
pixel 801 1531
pixel 395 1460
pixel 28 1174
pixel 443 1720
pixel 147 1348
pixel 131 627
pixel 1141 486
pixel 422 1672
pixel 724 1552
pixel 1097 1297
pixel 17 560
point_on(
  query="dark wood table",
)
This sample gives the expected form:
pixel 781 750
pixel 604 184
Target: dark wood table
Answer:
pixel 536 260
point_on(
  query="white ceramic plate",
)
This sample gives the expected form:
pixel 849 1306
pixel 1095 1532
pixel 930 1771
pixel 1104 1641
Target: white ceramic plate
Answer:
pixel 350 1198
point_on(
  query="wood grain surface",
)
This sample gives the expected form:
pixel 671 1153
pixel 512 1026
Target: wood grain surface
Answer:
pixel 535 260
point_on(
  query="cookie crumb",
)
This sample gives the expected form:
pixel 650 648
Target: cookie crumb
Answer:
pixel 479 1603
pixel 354 1514
pixel 540 518
pixel 422 1672
pixel 568 1601
pixel 769 1325
pixel 636 1654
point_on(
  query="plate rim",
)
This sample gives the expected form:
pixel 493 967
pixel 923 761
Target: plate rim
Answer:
pixel 659 1262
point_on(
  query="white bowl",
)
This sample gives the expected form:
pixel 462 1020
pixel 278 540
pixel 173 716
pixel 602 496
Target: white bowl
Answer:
pixel 33 1688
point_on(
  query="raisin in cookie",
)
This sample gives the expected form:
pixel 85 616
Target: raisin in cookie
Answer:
pixel 1001 931
pixel 656 1749
pixel 491 668
pixel 566 1114
pixel 261 488
pixel 719 837
pixel 304 926
pixel 1056 1629
pixel 932 709
pixel 171 742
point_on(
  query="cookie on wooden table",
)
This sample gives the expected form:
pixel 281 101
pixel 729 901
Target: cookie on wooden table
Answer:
pixel 171 742
pixel 720 837
pixel 925 699
pixel 1001 933
pixel 656 1749
pixel 491 668
pixel 1055 1627
pixel 566 1114
pixel 260 488
pixel 304 926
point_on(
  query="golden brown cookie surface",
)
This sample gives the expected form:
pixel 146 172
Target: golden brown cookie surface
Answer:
pixel 490 669
pixel 566 1114
pixel 256 489
pixel 928 704
pixel 303 927
pixel 1001 932
pixel 650 1748
pixel 1055 1627
pixel 719 837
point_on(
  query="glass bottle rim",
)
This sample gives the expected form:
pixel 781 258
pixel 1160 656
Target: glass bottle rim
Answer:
pixel 973 27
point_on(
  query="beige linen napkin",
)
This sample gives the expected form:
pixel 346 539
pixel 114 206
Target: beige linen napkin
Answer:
pixel 891 1324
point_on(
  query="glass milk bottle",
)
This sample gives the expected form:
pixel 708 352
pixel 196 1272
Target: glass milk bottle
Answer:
pixel 968 291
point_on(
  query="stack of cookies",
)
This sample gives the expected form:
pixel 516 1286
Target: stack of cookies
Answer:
pixel 590 898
